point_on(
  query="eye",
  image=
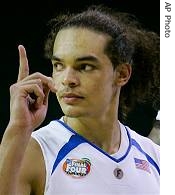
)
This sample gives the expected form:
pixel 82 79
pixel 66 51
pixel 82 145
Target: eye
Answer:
pixel 58 66
pixel 86 67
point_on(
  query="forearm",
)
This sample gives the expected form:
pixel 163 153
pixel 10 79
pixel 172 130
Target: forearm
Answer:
pixel 12 151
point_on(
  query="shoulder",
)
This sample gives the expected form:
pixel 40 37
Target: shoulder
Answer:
pixel 146 141
pixel 52 136
pixel 144 144
pixel 47 141
pixel 53 130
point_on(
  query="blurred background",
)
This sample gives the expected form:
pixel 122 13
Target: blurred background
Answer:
pixel 25 23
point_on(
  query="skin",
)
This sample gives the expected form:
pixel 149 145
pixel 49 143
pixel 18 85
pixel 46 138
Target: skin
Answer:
pixel 93 80
pixel 87 88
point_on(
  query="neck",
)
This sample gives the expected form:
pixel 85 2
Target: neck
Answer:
pixel 105 133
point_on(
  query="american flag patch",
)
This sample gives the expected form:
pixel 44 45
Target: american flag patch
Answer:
pixel 142 164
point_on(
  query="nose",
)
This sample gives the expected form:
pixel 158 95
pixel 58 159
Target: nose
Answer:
pixel 70 77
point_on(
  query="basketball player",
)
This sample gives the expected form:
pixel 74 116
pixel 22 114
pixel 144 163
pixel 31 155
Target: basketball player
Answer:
pixel 88 150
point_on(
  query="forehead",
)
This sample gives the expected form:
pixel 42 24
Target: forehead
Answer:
pixel 80 40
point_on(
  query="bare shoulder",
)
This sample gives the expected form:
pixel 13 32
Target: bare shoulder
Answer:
pixel 32 175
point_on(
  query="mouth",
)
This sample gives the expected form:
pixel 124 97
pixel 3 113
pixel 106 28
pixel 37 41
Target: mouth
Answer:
pixel 71 98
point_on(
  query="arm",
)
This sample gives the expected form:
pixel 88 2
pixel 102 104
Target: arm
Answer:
pixel 28 107
pixel 32 174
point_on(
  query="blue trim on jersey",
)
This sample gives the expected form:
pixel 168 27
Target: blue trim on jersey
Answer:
pixel 73 142
pixel 134 143
pixel 99 149
pixel 77 139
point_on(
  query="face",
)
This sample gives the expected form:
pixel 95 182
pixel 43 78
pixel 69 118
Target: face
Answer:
pixel 83 73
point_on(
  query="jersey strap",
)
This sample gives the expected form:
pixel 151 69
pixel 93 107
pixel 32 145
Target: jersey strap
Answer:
pixel 134 143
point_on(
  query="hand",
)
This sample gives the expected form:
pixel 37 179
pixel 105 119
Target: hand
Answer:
pixel 29 96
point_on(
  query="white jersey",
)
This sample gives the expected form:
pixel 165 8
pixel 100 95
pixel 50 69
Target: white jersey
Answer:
pixel 75 166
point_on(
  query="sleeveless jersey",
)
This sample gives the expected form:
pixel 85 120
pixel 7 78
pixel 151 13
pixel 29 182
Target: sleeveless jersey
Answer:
pixel 75 166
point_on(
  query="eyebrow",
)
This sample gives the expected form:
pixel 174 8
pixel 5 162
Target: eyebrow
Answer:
pixel 83 58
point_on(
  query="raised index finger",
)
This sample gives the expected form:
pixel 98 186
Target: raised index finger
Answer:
pixel 23 63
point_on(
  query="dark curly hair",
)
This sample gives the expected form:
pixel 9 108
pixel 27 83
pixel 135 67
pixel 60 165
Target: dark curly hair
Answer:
pixel 130 43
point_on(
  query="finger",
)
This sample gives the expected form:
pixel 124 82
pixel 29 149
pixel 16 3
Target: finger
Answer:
pixel 34 94
pixel 23 63
pixel 31 82
pixel 46 81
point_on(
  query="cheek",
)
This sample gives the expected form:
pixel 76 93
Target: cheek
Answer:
pixel 105 90
pixel 98 88
pixel 57 79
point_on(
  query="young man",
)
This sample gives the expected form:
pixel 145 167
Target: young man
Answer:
pixel 88 150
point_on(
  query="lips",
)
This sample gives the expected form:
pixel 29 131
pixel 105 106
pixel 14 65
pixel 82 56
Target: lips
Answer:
pixel 71 98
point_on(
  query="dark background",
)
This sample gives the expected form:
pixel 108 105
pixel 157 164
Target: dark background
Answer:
pixel 25 23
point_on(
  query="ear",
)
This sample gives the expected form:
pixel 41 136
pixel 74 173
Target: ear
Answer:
pixel 123 74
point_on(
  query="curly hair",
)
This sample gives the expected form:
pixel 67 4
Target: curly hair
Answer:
pixel 130 43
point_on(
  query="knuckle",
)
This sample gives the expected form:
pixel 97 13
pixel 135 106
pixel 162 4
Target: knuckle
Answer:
pixel 37 75
pixel 12 87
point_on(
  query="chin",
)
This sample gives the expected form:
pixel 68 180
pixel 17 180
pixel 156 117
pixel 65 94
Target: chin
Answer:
pixel 72 112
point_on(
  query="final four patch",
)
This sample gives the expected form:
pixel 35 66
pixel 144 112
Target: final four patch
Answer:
pixel 77 167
